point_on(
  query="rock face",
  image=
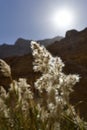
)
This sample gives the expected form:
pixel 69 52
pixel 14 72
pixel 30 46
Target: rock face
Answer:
pixel 71 33
pixel 5 74
pixel 22 47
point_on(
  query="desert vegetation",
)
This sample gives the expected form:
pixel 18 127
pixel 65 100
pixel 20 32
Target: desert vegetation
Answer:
pixel 48 109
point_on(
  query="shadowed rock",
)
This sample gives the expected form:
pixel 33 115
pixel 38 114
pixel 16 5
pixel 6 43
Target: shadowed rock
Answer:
pixel 71 33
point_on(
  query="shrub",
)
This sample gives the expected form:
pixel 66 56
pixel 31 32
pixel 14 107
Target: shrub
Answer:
pixel 20 109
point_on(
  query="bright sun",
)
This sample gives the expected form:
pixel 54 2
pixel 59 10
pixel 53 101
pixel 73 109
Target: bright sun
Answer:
pixel 63 18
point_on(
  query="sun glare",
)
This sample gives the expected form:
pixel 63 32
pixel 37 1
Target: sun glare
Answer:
pixel 63 18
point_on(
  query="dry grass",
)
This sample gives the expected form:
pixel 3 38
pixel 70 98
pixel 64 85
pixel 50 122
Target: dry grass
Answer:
pixel 22 109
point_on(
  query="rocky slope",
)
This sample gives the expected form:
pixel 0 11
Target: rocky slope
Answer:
pixel 73 50
pixel 22 47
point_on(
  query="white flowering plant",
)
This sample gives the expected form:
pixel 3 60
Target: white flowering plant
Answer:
pixel 20 109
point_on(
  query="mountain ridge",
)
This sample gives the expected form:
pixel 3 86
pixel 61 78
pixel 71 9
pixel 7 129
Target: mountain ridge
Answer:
pixel 22 47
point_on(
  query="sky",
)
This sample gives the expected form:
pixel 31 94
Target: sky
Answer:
pixel 33 19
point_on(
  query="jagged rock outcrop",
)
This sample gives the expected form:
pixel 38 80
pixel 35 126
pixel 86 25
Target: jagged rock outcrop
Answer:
pixel 71 33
